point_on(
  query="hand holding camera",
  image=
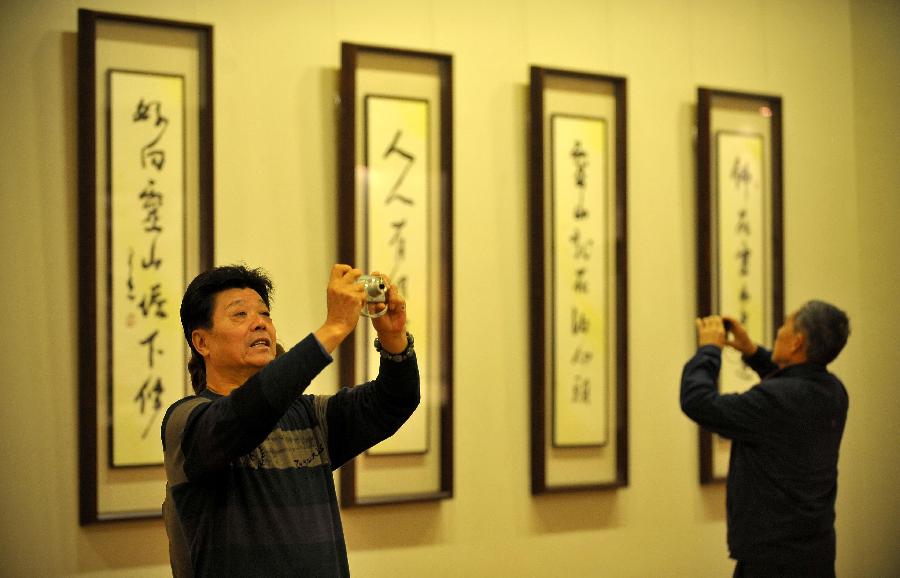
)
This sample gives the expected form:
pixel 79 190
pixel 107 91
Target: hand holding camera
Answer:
pixel 716 330
pixel 710 331
pixel 386 307
pixel 739 338
pixel 351 295
pixel 375 290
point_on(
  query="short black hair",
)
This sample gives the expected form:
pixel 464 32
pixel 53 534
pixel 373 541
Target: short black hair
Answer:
pixel 199 299
pixel 826 329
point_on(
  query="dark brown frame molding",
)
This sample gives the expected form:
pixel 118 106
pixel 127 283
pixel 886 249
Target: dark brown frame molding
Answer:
pixel 539 238
pixel 87 232
pixel 706 98
pixel 347 162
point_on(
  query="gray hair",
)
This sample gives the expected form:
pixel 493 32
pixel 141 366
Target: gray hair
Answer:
pixel 826 329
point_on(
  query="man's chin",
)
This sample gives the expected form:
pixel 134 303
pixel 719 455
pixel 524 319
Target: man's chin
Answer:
pixel 260 358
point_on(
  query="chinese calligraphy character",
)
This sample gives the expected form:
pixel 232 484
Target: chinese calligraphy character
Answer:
pixel 410 158
pixel 580 322
pixel 582 249
pixel 152 261
pixel 581 356
pixel 157 157
pixel 151 349
pixel 581 390
pixel 744 255
pixel 130 282
pixel 743 225
pixel 152 201
pixel 146 395
pixel 153 300
pixel 579 156
pixel 398 239
pixel 581 284
pixel 740 174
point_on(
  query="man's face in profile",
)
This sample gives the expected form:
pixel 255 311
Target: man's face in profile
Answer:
pixel 787 342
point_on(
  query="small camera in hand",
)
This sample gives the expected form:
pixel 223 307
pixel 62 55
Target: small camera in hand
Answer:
pixel 376 292
pixel 727 325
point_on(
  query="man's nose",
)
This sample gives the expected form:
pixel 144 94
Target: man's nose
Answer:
pixel 261 322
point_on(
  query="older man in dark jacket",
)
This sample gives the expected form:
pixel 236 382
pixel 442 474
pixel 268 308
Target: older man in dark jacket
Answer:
pixel 786 433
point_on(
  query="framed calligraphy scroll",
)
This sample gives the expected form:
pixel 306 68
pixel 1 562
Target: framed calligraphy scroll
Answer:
pixel 739 228
pixel 145 229
pixel 395 211
pixel 579 396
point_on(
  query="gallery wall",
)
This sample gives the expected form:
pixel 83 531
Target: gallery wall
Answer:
pixel 836 63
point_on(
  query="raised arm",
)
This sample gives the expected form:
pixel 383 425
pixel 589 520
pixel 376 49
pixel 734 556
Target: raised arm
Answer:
pixel 210 433
pixel 360 417
pixel 739 416
pixel 758 358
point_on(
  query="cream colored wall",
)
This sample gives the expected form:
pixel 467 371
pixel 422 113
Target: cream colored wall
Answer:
pixel 868 499
pixel 834 62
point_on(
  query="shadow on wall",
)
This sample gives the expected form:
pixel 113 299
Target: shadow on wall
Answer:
pixel 400 526
pixel 122 545
pixel 713 496
pixel 575 512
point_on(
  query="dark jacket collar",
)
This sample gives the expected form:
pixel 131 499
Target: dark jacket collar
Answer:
pixel 800 370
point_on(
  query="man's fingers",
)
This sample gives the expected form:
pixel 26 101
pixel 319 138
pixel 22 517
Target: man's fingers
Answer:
pixel 338 270
pixel 713 322
pixel 344 273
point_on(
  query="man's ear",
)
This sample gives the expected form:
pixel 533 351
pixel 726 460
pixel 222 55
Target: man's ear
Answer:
pixel 198 339
pixel 799 344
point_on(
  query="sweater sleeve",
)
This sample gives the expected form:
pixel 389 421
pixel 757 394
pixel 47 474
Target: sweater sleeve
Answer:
pixel 744 416
pixel 362 416
pixel 213 434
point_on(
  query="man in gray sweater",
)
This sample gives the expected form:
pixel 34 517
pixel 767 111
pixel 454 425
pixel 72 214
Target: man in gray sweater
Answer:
pixel 249 458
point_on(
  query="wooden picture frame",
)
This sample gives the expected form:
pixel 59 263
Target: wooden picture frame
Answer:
pixel 145 187
pixel 740 264
pixel 395 216
pixel 579 301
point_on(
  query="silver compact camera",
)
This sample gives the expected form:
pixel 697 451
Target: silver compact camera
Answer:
pixel 376 292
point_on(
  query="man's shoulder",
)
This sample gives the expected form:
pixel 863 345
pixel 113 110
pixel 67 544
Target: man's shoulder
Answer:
pixel 780 383
pixel 187 404
pixel 802 376
pixel 807 388
pixel 178 412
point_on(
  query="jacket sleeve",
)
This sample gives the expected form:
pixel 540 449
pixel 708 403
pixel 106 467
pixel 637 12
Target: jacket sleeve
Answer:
pixel 761 362
pixel 210 435
pixel 743 416
pixel 360 417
